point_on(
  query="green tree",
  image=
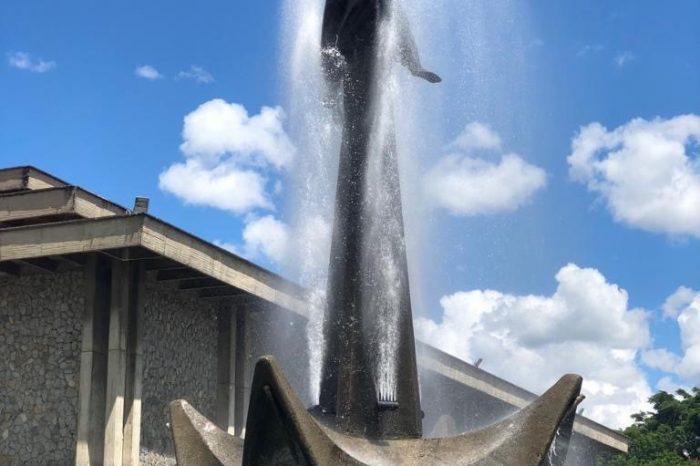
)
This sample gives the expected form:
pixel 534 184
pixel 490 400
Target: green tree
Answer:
pixel 669 435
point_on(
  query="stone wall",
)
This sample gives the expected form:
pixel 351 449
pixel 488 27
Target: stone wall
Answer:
pixel 40 327
pixel 179 354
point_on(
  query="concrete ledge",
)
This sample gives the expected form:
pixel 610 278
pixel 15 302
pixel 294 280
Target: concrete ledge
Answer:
pixel 22 178
pixel 54 203
pixel 130 231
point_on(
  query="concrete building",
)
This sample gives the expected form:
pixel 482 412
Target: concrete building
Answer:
pixel 107 314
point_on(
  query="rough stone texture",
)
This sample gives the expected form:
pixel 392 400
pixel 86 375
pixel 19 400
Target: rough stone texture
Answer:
pixel 179 353
pixel 40 325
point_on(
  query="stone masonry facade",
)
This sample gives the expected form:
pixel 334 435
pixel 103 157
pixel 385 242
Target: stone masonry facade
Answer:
pixel 179 353
pixel 40 337
pixel 40 344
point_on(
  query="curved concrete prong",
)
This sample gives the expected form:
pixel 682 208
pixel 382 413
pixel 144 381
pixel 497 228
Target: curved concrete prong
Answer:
pixel 281 432
pixel 523 439
pixel 198 442
pixel 279 429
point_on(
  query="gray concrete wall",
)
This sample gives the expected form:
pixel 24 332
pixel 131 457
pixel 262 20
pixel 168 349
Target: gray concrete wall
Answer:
pixel 40 325
pixel 179 356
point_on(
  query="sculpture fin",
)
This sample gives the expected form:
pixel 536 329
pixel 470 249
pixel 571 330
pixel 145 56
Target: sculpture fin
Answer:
pixel 279 429
pixel 199 442
pixel 525 438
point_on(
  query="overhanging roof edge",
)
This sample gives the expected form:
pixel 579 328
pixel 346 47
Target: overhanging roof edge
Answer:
pixel 142 230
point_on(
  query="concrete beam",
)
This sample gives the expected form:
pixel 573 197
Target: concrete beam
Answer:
pixel 80 236
pixel 93 363
pixel 125 365
pixel 20 178
pixel 43 264
pixel 220 292
pixel 181 273
pixel 199 283
pixel 45 204
pixel 134 366
pixel 116 368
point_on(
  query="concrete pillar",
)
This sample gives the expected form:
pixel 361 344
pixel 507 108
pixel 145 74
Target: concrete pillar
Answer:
pixel 134 366
pixel 242 376
pixel 226 369
pixel 125 366
pixel 93 363
pixel 116 369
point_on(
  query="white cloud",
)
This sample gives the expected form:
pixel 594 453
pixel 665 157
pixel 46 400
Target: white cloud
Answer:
pixel 586 327
pixel 285 244
pixel 660 358
pixel 231 157
pixel 669 385
pixel 196 73
pixel 476 135
pixel 468 185
pixel 217 128
pixel 589 49
pixel 648 172
pixel 266 236
pixel 678 301
pixel 24 61
pixel 147 72
pixel 222 186
pixel 689 324
pixel 623 58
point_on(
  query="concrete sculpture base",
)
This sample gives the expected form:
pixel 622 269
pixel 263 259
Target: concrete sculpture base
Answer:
pixel 281 432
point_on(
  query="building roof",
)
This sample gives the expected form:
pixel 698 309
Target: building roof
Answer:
pixel 47 224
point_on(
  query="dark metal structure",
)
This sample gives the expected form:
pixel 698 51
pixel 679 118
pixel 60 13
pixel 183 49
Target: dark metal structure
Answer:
pixel 350 46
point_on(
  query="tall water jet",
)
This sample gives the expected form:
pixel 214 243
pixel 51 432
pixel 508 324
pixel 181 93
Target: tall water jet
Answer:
pixel 369 405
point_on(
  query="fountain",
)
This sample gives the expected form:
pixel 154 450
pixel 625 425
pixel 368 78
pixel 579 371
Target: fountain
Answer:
pixel 369 405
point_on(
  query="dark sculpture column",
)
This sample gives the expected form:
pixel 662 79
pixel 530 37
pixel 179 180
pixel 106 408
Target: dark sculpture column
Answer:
pixel 351 37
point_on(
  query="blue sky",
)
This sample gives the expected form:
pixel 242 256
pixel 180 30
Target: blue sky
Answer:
pixel 71 103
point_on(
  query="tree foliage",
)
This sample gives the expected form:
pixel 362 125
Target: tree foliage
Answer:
pixel 669 435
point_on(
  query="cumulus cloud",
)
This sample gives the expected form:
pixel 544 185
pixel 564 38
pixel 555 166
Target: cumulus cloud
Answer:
pixel 231 157
pixel 623 58
pixel 271 238
pixel 223 186
pixel 465 184
pixel 660 358
pixel 589 49
pixel 196 73
pixel 217 128
pixel 477 135
pixel 266 236
pixel 648 172
pixel 586 327
pixel 148 72
pixel 669 385
pixel 678 301
pixel 24 61
pixel 689 324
